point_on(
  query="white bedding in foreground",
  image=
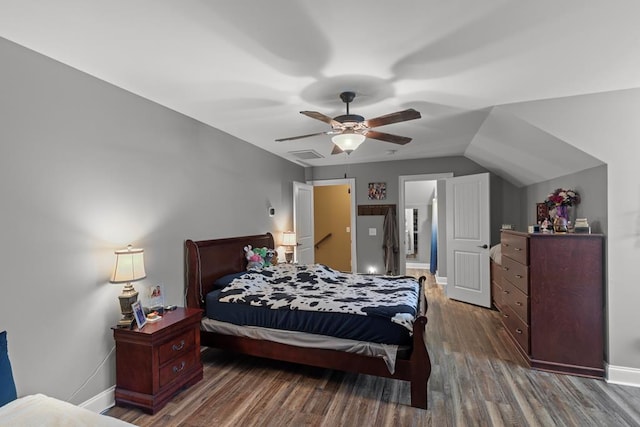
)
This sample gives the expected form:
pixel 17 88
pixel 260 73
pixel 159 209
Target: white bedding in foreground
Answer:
pixel 38 410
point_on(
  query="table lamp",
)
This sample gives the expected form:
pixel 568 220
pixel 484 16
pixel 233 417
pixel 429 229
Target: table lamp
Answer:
pixel 289 241
pixel 129 268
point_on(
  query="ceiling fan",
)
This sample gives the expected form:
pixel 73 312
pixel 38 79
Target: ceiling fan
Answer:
pixel 350 130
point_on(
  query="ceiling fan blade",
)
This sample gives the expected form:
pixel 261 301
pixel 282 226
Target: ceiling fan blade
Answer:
pixel 321 117
pixel 387 137
pixel 400 116
pixel 301 136
pixel 336 150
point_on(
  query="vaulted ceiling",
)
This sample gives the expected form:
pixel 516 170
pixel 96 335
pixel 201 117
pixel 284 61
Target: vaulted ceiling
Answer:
pixel 249 67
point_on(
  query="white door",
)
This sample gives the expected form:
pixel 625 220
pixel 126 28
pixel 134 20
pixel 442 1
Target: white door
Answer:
pixel 468 238
pixel 303 222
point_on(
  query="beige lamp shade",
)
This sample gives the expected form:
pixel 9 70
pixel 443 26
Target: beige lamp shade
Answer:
pixel 129 266
pixel 289 238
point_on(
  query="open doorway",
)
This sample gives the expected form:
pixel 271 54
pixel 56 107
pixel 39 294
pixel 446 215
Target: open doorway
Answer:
pixel 334 223
pixel 418 223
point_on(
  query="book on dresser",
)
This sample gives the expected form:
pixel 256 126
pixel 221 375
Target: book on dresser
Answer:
pixel 551 300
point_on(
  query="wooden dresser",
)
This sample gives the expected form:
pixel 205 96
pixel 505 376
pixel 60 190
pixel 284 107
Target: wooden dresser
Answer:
pixel 552 296
pixel 154 363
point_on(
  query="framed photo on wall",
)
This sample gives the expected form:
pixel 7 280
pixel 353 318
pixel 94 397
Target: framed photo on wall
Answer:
pixel 542 212
pixel 377 190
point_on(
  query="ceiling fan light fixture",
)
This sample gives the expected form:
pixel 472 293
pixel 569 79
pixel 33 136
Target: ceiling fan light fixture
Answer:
pixel 348 140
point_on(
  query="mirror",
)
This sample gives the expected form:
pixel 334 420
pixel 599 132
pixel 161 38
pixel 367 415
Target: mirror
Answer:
pixel 411 227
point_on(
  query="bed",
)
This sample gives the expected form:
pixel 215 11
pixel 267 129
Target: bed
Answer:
pixel 495 269
pixel 210 260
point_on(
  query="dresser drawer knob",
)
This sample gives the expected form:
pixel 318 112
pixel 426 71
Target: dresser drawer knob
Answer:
pixel 177 369
pixel 518 276
pixel 518 331
pixel 178 347
pixel 505 268
pixel 505 292
pixel 519 303
pixel 517 249
pixel 506 316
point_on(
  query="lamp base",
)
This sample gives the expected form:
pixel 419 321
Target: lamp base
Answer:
pixel 125 324
pixel 288 256
pixel 128 296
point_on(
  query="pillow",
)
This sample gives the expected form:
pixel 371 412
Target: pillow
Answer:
pixel 225 280
pixel 7 386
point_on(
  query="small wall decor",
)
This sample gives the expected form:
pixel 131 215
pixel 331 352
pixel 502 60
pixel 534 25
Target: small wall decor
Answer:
pixel 542 212
pixel 377 190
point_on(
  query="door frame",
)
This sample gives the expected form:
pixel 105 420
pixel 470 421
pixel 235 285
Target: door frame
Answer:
pixel 402 179
pixel 352 188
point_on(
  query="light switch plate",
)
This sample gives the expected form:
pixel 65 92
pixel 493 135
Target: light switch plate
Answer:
pixel 373 232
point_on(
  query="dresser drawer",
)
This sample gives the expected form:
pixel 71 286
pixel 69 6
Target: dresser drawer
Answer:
pixel 178 367
pixel 176 346
pixel 497 294
pixel 516 273
pixel 515 247
pixel 517 301
pixel 516 328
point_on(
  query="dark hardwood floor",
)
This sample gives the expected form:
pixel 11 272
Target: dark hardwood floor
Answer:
pixel 477 379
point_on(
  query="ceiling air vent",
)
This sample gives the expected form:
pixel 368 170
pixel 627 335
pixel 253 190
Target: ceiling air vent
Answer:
pixel 306 154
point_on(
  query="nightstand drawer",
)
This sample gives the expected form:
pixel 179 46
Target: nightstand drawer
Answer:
pixel 177 346
pixel 178 367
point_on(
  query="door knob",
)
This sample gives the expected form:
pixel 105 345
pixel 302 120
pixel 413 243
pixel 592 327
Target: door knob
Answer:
pixel 483 246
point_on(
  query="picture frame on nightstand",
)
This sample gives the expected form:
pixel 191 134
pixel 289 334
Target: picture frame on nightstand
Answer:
pixel 152 298
pixel 138 314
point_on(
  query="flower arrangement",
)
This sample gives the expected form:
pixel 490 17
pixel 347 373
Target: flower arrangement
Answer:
pixel 562 197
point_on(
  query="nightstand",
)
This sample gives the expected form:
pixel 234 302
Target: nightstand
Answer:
pixel 154 363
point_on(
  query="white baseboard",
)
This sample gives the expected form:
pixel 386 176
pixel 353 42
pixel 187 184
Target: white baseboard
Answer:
pixel 101 402
pixel 441 280
pixel 420 265
pixel 623 375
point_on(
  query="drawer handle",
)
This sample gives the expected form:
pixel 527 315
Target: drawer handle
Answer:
pixel 178 347
pixel 505 315
pixel 177 369
pixel 519 303
pixel 505 292
pixel 505 268
pixel 518 330
pixel 517 249
pixel 518 276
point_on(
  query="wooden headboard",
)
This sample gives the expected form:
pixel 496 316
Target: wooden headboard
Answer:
pixel 208 260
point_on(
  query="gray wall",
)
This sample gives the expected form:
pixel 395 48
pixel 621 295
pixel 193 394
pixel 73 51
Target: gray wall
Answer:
pixel 85 169
pixel 591 184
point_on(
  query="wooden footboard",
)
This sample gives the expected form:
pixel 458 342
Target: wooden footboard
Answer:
pixel 204 266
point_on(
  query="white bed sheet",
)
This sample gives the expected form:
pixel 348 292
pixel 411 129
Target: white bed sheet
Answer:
pixel 38 410
pixel 302 339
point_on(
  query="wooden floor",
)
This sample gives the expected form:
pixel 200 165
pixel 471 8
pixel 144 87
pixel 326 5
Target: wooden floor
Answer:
pixel 477 379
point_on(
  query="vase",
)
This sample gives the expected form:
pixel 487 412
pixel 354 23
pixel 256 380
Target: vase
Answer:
pixel 561 219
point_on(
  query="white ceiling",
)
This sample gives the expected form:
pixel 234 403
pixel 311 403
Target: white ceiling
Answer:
pixel 249 67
